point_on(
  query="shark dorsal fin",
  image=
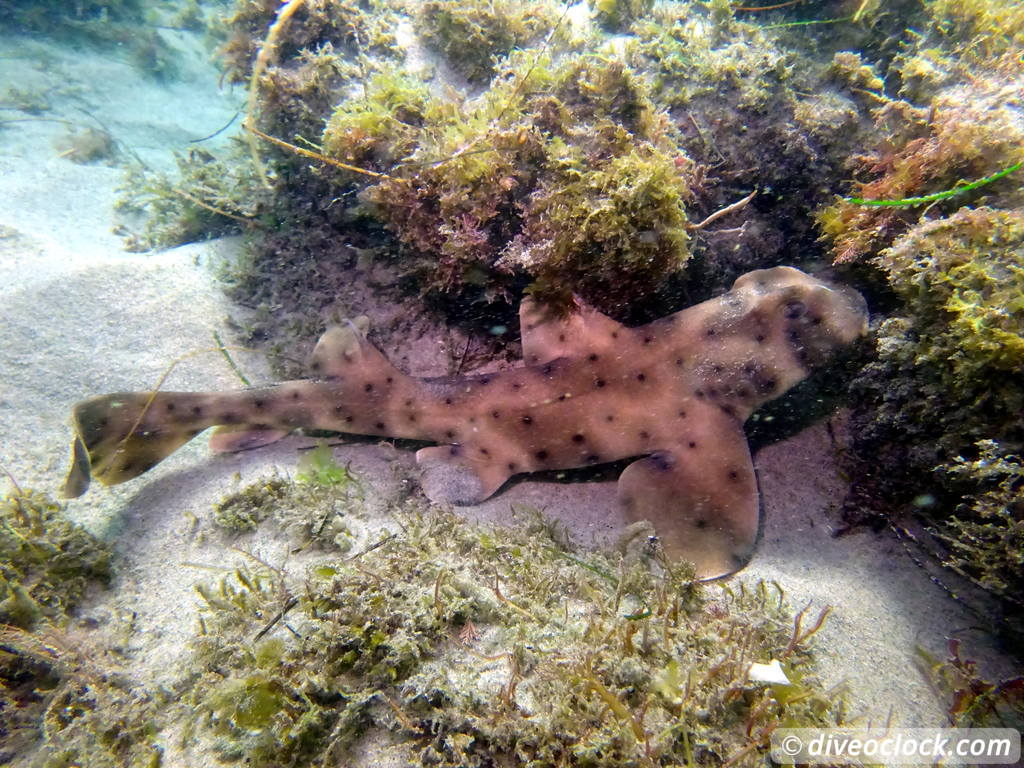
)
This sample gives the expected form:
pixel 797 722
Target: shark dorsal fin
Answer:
pixel 342 349
pixel 548 335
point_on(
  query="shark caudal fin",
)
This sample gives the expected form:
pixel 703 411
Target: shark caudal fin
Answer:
pixel 113 443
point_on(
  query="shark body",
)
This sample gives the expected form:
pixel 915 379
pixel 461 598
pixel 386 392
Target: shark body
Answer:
pixel 674 393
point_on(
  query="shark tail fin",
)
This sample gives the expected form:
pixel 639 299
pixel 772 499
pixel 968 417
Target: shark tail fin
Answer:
pixel 113 443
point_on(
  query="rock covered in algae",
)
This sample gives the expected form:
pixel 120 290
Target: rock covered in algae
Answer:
pixel 968 132
pixel 576 185
pixel 956 347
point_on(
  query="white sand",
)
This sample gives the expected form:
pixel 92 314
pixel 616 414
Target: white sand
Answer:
pixel 78 316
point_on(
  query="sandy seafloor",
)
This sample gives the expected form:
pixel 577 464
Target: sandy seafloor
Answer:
pixel 80 316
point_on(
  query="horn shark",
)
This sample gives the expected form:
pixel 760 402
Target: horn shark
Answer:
pixel 673 394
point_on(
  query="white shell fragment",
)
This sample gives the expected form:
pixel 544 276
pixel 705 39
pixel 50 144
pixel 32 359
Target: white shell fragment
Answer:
pixel 767 673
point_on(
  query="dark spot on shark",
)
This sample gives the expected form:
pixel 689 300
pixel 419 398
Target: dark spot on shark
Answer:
pixel 795 310
pixel 663 461
pixel 541 455
pixel 578 438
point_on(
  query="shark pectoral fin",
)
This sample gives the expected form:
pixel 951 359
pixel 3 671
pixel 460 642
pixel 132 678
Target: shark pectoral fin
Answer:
pixel 547 335
pixel 704 508
pixel 243 437
pixel 79 473
pixel 451 478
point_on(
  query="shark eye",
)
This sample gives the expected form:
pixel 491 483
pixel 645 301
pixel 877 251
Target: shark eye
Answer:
pixel 794 310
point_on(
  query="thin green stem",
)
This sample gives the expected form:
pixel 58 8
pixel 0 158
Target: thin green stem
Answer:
pixel 959 189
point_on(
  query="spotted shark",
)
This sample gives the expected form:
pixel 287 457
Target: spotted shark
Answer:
pixel 672 394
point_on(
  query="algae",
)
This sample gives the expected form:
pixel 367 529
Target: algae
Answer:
pixel 955 346
pixel 471 36
pixel 458 644
pixel 46 561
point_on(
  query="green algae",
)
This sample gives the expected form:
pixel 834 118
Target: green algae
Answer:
pixel 473 35
pixel 955 347
pixel 56 696
pixel 455 644
pixel 484 195
pixel 46 561
pixel 985 534
pixel 208 196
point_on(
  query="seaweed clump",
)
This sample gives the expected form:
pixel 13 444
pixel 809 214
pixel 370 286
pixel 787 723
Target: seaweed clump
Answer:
pixel 46 561
pixel 974 701
pixel 472 36
pixel 955 347
pixel 207 197
pixel 564 175
pixel 456 644
pixel 317 509
pixel 730 90
pixel 53 693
